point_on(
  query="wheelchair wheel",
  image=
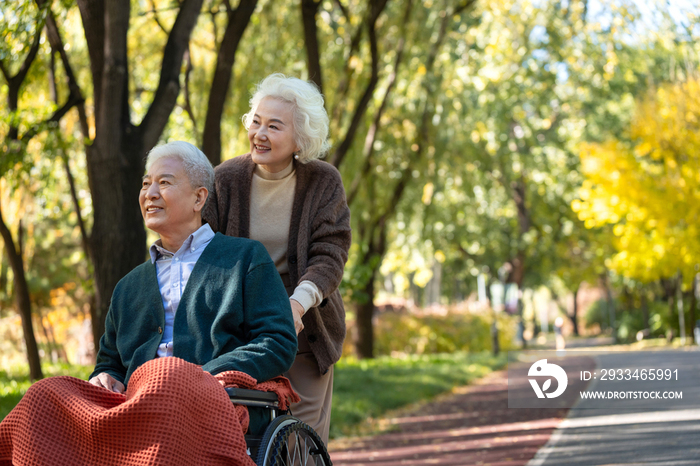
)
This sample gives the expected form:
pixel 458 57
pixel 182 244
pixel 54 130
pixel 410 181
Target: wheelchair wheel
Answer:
pixel 289 442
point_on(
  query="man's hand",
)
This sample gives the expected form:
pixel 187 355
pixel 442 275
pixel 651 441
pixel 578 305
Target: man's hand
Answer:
pixel 105 380
pixel 298 313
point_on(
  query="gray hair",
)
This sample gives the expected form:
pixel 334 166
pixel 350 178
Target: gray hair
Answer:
pixel 310 117
pixel 197 166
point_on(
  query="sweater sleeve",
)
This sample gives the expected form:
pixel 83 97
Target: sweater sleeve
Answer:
pixel 271 339
pixel 108 359
pixel 329 240
pixel 307 294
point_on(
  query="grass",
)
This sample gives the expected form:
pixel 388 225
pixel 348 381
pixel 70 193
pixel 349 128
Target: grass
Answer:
pixel 366 390
pixel 14 381
pixel 363 391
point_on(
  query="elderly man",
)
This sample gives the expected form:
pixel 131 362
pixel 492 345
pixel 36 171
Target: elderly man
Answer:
pixel 221 304
pixel 214 302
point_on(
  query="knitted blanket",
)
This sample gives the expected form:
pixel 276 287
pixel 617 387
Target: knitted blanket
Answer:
pixel 173 413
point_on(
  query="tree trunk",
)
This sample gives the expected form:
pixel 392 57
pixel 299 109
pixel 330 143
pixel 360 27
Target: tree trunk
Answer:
pixel 611 305
pixel 680 307
pixel 521 321
pixel 24 305
pixel 115 158
pixel 365 329
pixel 238 20
pixel 14 253
pixel 693 304
pixel 309 9
pixel 495 344
pixel 365 309
pixel 375 10
pixel 57 47
pixel 645 309
pixel 118 237
pixel 517 264
pixel 574 313
pixel 371 137
pixel 517 276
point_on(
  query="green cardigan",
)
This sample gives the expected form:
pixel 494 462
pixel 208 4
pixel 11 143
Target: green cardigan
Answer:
pixel 234 315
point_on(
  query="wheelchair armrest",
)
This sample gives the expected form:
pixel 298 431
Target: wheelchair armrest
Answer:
pixel 248 397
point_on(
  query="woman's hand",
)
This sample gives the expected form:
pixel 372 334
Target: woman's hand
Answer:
pixel 105 380
pixel 298 312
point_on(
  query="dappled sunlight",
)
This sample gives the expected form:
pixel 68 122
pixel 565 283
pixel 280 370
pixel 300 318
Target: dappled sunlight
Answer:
pixel 495 432
pixel 500 444
pixel 473 425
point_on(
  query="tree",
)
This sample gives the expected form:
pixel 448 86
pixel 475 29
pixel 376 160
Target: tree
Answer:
pixel 236 22
pixel 456 125
pixel 381 198
pixel 646 189
pixel 116 155
pixel 15 143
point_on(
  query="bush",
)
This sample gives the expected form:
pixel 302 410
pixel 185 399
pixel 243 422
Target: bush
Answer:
pixel 412 333
pixel 630 321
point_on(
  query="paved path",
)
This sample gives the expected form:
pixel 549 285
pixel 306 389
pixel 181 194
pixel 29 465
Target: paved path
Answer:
pixel 471 427
pixel 475 427
pixel 655 433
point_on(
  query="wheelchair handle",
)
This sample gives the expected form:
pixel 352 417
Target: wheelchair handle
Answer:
pixel 248 397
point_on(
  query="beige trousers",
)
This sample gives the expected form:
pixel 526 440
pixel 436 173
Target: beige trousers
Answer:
pixel 314 389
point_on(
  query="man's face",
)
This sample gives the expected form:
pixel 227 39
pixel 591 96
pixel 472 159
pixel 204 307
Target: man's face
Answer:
pixel 169 204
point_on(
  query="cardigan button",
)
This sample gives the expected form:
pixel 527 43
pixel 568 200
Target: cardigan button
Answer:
pixel 311 338
pixel 293 259
pixel 160 330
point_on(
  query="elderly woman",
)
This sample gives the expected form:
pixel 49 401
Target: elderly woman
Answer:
pixel 295 205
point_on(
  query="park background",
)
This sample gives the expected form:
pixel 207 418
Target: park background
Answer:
pixel 505 162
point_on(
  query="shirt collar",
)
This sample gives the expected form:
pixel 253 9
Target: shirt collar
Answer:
pixel 198 239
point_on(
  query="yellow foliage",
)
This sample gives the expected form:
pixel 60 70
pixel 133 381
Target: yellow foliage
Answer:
pixel 648 191
pixel 427 193
pixel 440 256
pixel 422 277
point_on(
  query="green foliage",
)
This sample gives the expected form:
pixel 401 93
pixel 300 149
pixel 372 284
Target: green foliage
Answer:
pixel 19 23
pixel 517 86
pixel 630 320
pixel 368 389
pixel 534 81
pixel 398 333
pixel 14 382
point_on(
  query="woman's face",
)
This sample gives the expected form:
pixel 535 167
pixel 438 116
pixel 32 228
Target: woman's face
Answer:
pixel 271 135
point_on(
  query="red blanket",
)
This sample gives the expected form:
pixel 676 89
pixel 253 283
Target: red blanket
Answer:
pixel 173 413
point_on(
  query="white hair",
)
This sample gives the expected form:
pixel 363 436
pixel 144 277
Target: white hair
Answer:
pixel 309 114
pixel 197 166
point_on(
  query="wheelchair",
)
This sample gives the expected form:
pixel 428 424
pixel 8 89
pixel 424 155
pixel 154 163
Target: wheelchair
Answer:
pixel 286 441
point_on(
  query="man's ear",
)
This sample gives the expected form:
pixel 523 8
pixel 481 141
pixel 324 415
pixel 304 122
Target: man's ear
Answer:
pixel 201 198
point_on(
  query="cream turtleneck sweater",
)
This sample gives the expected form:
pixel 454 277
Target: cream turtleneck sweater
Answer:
pixel 271 199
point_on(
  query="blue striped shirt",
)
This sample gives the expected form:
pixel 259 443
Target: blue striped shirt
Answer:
pixel 173 270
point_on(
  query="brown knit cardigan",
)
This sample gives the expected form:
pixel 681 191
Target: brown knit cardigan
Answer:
pixel 319 239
